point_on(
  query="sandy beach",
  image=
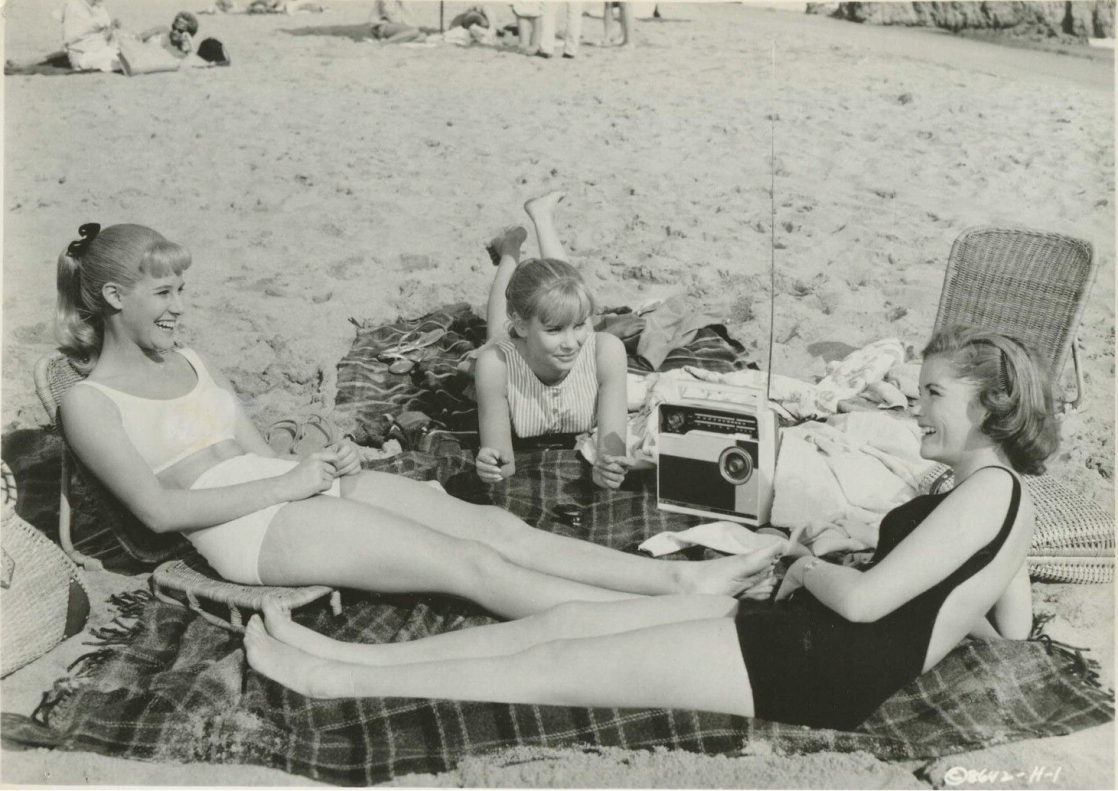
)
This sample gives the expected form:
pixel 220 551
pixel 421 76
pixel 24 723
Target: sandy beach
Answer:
pixel 323 177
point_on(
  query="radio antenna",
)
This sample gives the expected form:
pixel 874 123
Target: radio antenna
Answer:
pixel 772 226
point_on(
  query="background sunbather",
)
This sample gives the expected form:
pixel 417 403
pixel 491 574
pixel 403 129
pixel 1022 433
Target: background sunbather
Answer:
pixel 545 371
pixel 162 48
pixel 837 644
pixel 392 23
pixel 178 39
pixel 163 430
pixel 89 36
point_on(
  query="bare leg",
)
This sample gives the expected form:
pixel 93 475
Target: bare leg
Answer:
pixel 644 668
pixel 505 250
pixel 327 541
pixel 607 24
pixel 406 36
pixel 537 33
pixel 565 621
pixel 574 30
pixel 546 22
pixel 560 556
pixel 626 24
pixel 541 211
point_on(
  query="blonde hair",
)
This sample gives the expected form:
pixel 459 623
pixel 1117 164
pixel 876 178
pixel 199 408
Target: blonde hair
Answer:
pixel 120 254
pixel 1012 387
pixel 548 289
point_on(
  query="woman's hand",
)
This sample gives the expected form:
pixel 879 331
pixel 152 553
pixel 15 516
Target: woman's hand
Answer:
pixel 794 578
pixel 609 471
pixel 492 466
pixel 313 475
pixel 349 459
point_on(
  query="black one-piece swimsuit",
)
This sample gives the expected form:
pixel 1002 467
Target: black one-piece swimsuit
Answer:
pixel 808 665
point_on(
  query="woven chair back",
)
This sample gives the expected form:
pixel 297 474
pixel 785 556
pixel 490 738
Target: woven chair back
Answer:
pixel 1027 284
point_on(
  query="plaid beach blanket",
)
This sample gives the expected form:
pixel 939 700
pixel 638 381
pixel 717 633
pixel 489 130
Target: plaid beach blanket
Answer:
pixel 173 687
pixel 435 385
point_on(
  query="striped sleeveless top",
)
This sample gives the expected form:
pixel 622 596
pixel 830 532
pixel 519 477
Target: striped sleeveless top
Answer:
pixel 569 407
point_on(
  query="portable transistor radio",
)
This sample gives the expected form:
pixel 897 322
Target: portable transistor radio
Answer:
pixel 717 452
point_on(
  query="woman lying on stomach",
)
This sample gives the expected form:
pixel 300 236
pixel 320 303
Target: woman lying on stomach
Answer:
pixel 838 642
pixel 162 429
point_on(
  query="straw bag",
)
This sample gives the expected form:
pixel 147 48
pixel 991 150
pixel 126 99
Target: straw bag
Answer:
pixel 42 598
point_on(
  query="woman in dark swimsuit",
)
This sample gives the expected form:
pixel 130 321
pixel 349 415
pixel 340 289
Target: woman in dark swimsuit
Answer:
pixel 837 643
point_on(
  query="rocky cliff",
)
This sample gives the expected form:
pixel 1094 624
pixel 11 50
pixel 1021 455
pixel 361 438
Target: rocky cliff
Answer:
pixel 1075 18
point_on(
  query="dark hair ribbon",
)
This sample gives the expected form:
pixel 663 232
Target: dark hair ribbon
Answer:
pixel 88 233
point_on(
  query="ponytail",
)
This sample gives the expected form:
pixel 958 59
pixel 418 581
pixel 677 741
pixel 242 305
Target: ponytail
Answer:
pixel 79 330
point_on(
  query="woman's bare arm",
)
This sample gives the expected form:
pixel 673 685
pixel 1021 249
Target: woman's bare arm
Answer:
pixel 961 525
pixel 494 421
pixel 1012 615
pixel 613 401
pixel 983 629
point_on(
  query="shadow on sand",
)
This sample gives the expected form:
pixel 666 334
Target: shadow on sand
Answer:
pixel 359 32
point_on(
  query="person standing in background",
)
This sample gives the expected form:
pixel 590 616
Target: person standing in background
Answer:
pixel 626 24
pixel 529 27
pixel 571 36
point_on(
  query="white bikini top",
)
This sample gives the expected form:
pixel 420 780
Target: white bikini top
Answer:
pixel 166 431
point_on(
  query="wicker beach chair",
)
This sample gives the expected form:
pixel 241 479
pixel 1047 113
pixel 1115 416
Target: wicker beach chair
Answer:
pixel 1028 284
pixel 191 582
pixel 183 576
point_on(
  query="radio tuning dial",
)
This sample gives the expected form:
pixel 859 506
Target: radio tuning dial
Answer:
pixel 675 421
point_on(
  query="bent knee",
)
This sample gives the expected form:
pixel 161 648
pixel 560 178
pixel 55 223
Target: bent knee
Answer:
pixel 480 560
pixel 500 528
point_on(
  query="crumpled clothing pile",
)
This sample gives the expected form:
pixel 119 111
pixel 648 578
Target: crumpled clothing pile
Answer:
pixel 877 371
pixel 835 480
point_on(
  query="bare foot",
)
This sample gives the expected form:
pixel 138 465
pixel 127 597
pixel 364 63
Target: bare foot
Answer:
pixel 308 675
pixel 735 575
pixel 279 625
pixel 508 243
pixel 544 205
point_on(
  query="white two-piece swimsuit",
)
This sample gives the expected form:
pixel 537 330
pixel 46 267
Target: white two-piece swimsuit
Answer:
pixel 166 431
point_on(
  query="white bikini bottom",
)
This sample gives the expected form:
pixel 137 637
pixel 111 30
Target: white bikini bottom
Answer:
pixel 233 548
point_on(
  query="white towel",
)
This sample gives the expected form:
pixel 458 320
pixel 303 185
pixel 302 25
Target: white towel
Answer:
pixel 728 537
